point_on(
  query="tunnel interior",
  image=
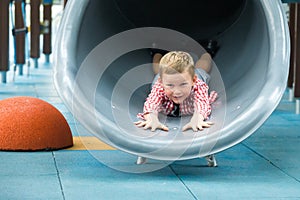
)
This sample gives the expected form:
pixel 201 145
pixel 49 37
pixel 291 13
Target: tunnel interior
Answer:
pixel 238 26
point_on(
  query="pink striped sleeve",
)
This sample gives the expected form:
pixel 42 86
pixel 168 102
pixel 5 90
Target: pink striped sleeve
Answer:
pixel 201 99
pixel 213 96
pixel 153 101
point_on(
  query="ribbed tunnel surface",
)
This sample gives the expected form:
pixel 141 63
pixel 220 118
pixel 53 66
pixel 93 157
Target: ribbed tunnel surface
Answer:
pixel 105 95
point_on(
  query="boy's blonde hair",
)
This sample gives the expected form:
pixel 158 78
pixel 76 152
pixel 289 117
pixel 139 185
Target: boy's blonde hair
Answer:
pixel 176 62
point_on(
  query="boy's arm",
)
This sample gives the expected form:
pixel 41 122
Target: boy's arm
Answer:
pixel 201 99
pixel 202 109
pixel 151 108
pixel 154 99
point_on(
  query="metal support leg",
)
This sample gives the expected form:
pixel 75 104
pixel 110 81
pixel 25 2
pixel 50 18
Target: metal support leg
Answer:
pixel 141 160
pixel 291 94
pixel 47 58
pixel 35 62
pixel 3 77
pixel 20 66
pixel 211 161
pixel 297 106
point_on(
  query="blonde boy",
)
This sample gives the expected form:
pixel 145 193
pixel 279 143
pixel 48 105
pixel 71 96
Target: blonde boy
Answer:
pixel 179 91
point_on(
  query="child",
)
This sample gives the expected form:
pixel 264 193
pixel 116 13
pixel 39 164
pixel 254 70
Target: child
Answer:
pixel 179 91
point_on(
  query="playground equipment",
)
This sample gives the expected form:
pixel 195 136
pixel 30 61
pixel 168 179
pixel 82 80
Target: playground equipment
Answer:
pixel 31 124
pixel 294 75
pixel 253 62
pixel 4 35
pixel 16 11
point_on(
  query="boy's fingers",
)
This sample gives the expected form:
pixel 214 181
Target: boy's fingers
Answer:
pixel 209 124
pixel 146 126
pixel 165 128
pixel 195 128
pixel 206 125
pixel 153 129
pixel 140 124
pixel 186 127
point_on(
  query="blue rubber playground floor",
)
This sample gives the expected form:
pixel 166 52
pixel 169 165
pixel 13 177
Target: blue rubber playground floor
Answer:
pixel 264 166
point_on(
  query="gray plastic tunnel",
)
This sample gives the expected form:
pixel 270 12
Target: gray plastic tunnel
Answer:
pixel 103 75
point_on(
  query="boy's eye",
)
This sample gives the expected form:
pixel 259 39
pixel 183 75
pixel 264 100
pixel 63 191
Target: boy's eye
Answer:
pixel 183 84
pixel 169 85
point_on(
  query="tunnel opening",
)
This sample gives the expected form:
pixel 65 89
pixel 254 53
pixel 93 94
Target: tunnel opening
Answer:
pixel 253 70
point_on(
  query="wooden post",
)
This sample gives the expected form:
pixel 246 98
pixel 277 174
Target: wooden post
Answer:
pixel 292 28
pixel 65 2
pixel 19 34
pixel 4 38
pixel 297 60
pixel 35 31
pixel 47 49
pixel 297 54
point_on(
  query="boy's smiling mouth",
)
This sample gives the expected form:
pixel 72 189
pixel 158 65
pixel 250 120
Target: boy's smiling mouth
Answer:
pixel 177 99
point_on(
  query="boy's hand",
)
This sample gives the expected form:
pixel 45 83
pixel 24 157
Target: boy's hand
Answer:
pixel 197 123
pixel 152 123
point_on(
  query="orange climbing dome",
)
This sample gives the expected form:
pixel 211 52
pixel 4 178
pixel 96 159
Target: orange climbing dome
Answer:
pixel 31 124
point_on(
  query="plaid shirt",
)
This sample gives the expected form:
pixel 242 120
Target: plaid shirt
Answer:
pixel 199 101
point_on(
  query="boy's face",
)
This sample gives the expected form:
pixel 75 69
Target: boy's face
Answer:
pixel 178 86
